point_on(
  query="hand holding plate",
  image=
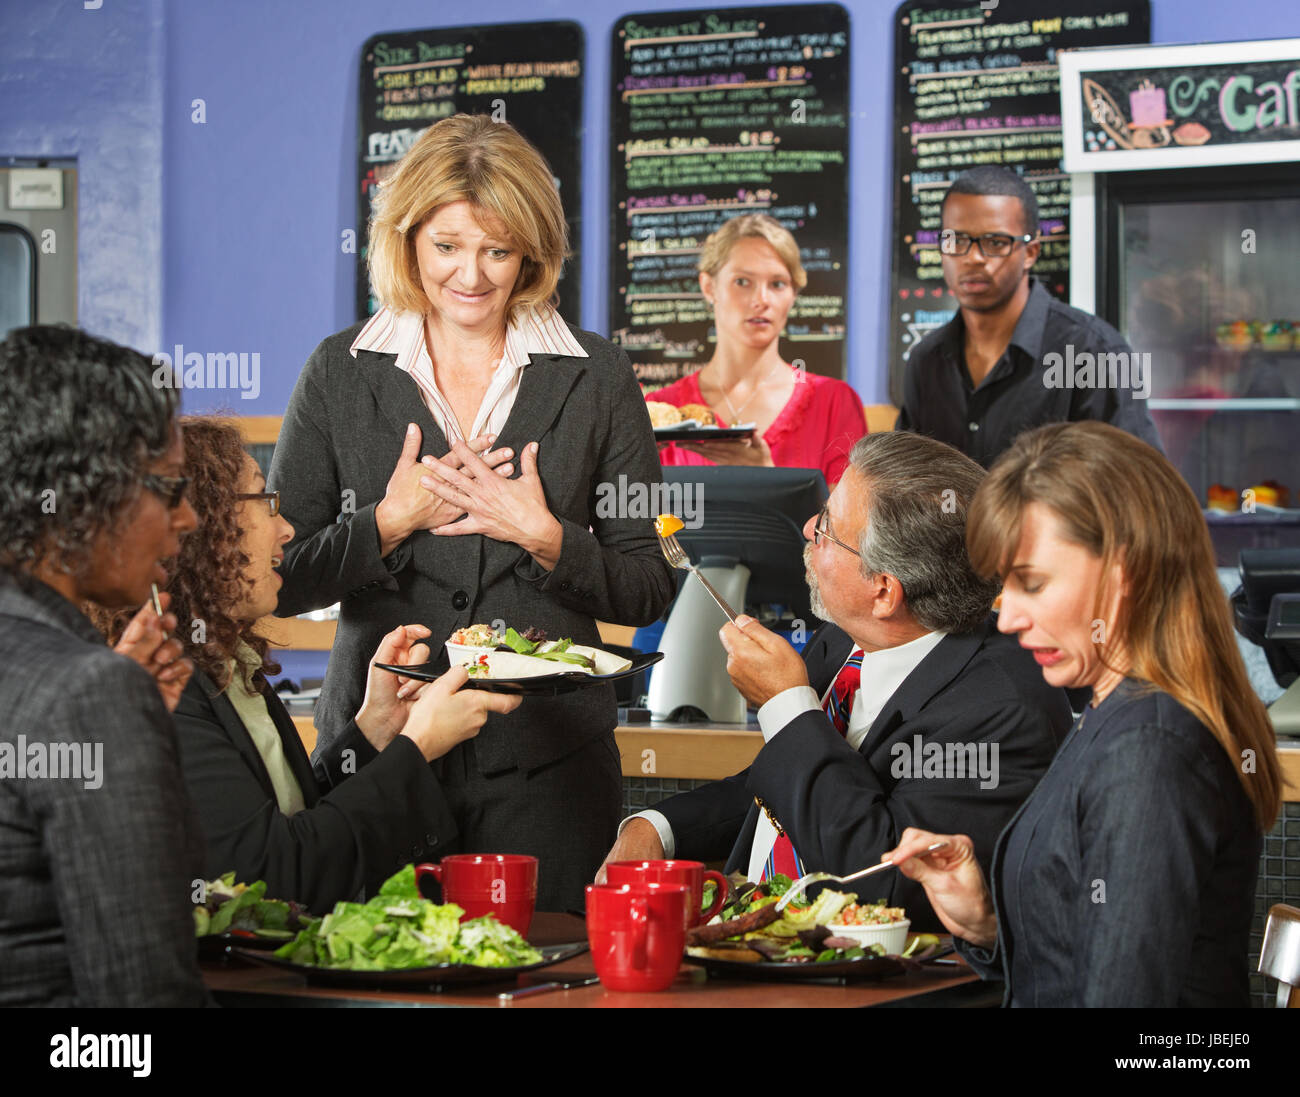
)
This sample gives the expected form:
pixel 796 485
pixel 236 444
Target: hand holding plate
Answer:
pixel 445 715
pixel 752 450
pixel 389 699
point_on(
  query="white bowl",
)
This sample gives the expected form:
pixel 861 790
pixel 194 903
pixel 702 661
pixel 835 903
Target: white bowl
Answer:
pixel 462 655
pixel 892 935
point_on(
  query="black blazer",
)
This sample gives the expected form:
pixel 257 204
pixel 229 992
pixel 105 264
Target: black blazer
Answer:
pixel 843 808
pixel 367 813
pixel 340 441
pixel 1128 877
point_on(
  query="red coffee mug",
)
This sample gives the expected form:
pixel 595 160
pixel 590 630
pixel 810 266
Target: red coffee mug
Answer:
pixel 637 933
pixel 501 884
pixel 691 873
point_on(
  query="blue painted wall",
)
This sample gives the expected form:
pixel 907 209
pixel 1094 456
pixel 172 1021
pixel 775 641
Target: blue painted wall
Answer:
pixel 256 196
pixel 88 83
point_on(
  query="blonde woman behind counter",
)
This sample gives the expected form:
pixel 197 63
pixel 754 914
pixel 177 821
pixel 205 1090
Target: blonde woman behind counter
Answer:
pixel 750 273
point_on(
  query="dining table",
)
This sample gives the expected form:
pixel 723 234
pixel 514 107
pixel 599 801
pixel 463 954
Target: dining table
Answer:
pixel 236 981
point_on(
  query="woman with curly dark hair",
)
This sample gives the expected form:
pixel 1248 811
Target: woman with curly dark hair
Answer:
pixel 98 839
pixel 372 803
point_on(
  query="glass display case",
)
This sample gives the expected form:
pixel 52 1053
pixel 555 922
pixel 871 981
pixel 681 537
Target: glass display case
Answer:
pixel 1200 270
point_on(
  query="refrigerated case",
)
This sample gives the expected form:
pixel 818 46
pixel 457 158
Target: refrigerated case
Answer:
pixel 1201 269
pixel 1187 238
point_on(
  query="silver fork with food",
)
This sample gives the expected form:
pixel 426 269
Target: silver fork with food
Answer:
pixel 797 888
pixel 666 526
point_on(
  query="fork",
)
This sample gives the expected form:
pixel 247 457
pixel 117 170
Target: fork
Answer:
pixel 676 556
pixel 797 888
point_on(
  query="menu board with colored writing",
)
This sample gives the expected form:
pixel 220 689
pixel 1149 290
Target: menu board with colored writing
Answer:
pixel 526 74
pixel 717 114
pixel 975 85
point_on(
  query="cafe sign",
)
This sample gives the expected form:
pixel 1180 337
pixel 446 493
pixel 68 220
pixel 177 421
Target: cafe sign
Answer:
pixel 1144 107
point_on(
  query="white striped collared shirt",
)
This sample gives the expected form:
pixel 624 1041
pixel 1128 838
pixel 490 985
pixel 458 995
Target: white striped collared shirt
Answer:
pixel 533 332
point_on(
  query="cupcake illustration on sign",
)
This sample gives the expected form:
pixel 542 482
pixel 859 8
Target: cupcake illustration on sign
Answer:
pixel 1151 121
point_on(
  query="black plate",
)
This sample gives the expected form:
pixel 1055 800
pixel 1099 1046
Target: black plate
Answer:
pixel 214 944
pixel 441 975
pixel 542 685
pixel 838 971
pixel 701 434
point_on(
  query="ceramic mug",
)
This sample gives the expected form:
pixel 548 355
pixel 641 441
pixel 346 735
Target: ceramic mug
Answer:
pixel 637 933
pixel 691 873
pixel 501 884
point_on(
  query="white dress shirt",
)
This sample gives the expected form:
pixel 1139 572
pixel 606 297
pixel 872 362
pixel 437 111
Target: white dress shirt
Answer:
pixel 533 332
pixel 883 672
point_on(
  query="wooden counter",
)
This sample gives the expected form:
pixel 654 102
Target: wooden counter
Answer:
pixel 1290 757
pixel 710 751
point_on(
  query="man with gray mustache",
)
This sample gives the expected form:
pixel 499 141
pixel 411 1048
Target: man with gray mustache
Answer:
pixel 908 708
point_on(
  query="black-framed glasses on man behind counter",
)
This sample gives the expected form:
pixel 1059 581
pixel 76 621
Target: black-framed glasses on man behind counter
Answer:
pixel 820 531
pixel 272 498
pixel 171 489
pixel 992 245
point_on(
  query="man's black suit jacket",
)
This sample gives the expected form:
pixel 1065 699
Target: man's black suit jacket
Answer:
pixel 843 808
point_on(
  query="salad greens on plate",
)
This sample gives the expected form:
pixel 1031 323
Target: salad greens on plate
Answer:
pixel 804 933
pixel 557 652
pixel 400 929
pixel 243 908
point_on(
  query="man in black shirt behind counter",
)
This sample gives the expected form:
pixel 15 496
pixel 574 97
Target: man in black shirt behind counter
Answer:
pixel 1014 357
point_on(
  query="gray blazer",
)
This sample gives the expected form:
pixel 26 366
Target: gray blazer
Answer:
pixel 340 441
pixel 95 882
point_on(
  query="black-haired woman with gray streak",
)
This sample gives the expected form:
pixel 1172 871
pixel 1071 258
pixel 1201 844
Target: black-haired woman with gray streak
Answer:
pixel 99 845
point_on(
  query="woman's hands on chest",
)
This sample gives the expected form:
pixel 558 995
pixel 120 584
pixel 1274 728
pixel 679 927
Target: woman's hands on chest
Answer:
pixel 408 505
pixel 512 511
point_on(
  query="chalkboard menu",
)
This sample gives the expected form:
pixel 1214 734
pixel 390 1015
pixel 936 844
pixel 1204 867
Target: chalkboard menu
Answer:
pixel 527 74
pixel 1182 106
pixel 973 87
pixel 715 114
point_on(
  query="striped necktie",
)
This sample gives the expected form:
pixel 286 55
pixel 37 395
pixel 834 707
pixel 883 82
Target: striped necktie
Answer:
pixel 838 706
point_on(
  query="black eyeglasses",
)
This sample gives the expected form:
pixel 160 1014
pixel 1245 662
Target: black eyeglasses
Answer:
pixel 272 497
pixel 171 489
pixel 820 531
pixel 992 245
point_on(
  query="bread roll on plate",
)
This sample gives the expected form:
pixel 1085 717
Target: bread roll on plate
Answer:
pixel 701 413
pixel 661 414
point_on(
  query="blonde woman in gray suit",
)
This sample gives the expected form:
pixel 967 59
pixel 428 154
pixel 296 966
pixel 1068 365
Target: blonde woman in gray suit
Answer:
pixel 466 456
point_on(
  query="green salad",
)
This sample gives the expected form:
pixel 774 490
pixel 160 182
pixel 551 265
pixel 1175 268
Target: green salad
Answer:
pixel 799 935
pixel 243 908
pixel 400 929
pixel 558 652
